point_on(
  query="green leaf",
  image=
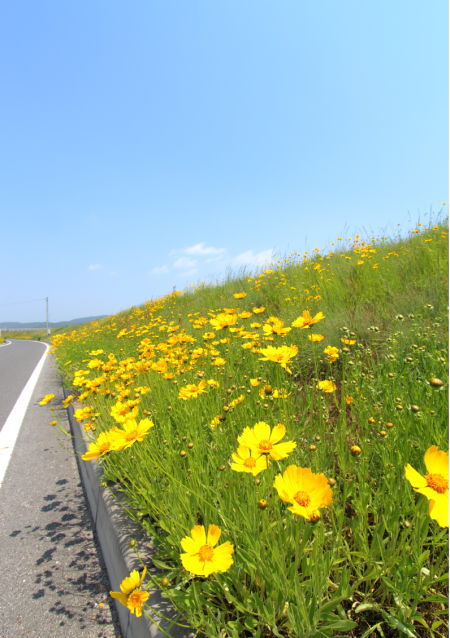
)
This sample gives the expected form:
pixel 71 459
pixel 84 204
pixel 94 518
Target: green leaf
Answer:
pixel 395 623
pixel 369 632
pixel 365 607
pixel 340 625
pixel 331 604
pixel 161 564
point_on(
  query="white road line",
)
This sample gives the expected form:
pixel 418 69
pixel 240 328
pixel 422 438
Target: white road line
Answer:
pixel 10 430
pixel 7 343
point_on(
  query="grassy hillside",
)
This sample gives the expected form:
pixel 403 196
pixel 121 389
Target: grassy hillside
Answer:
pixel 283 408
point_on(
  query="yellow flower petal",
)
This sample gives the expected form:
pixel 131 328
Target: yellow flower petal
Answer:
pixel 189 545
pixel 122 598
pixel 436 461
pixel 282 450
pixel 199 535
pixel 222 556
pixel 438 510
pixel 277 433
pixel 261 431
pixel 413 476
pixel 214 533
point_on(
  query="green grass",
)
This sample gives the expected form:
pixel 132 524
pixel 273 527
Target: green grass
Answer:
pixel 24 334
pixel 375 564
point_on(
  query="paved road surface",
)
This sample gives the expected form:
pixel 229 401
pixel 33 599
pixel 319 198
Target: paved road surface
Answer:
pixel 17 361
pixel 52 583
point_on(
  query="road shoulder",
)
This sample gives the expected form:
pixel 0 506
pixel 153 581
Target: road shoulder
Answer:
pixel 53 580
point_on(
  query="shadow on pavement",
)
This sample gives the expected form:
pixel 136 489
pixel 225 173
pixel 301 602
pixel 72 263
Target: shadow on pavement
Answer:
pixel 69 581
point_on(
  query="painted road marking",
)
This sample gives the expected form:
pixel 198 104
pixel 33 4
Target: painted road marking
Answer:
pixel 10 430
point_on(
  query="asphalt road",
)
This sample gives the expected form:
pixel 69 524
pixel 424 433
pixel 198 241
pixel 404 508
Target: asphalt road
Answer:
pixel 17 361
pixel 53 583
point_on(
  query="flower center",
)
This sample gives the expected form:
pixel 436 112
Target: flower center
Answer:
pixel 136 598
pixel 104 447
pixel 302 498
pixel 206 552
pixel 437 483
pixel 250 462
pixel 265 446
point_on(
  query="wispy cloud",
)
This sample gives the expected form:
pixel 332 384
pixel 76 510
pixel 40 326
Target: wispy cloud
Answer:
pixel 184 263
pixel 159 270
pixel 199 250
pixel 95 266
pixel 196 260
pixel 257 260
pixel 203 250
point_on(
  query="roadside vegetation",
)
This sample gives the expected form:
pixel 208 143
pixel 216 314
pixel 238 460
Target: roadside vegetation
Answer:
pixel 24 334
pixel 282 439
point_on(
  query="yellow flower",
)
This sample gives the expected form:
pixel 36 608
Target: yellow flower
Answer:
pixel 191 390
pixel 433 485
pixel 326 386
pixel 262 440
pixel 258 310
pixel 355 450
pixel 104 443
pixel 46 399
pixel 84 413
pixel 131 432
pixel 279 394
pixel 223 320
pixel 131 595
pixel 348 400
pixel 246 461
pixel 307 492
pixel 123 411
pixel 315 338
pixel 94 364
pixel 332 353
pixel 306 320
pixel 255 382
pixel 67 401
pixel 235 402
pixel 275 326
pixel 239 295
pixel 348 342
pixel 218 361
pixel 280 355
pixel 201 556
pixel 216 421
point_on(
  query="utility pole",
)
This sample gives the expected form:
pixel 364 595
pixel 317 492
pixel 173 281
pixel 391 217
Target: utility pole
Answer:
pixel 46 315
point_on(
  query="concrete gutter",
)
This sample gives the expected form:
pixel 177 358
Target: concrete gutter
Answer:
pixel 114 530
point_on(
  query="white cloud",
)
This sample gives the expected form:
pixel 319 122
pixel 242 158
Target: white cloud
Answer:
pixel 257 260
pixel 159 270
pixel 199 250
pixel 95 266
pixel 202 249
pixel 185 263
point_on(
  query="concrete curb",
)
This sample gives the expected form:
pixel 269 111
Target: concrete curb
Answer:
pixel 114 530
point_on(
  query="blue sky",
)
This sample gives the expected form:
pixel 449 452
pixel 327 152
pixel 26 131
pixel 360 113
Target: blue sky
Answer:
pixel 154 144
